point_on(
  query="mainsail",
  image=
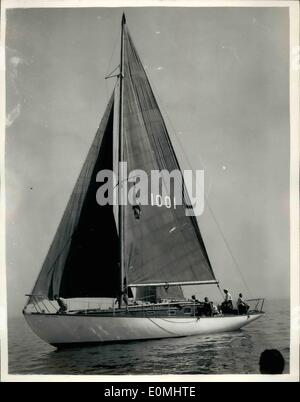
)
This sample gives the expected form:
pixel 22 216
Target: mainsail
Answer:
pixel 164 245
pixel 162 248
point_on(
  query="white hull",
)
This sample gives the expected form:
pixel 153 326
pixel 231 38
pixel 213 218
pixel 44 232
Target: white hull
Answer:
pixel 60 330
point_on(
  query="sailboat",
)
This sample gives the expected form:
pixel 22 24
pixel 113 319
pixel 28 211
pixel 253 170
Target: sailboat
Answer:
pixel 140 254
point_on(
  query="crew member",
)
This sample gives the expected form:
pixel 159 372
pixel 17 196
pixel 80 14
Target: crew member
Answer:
pixel 122 297
pixel 227 305
pixel 207 307
pixel 63 308
pixel 242 306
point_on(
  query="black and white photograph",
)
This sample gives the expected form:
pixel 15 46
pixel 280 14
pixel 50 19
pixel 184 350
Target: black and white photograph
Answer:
pixel 150 190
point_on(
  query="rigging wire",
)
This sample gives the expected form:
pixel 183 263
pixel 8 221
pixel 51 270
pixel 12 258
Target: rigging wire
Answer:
pixel 116 41
pixel 206 199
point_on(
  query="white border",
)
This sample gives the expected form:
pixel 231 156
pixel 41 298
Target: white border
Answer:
pixel 294 194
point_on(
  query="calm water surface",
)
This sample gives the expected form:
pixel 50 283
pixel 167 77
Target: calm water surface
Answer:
pixel 230 353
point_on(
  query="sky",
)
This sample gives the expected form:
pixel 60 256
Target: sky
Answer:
pixel 221 78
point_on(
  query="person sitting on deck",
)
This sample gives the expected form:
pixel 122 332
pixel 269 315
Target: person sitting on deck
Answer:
pixel 63 308
pixel 227 306
pixel 242 306
pixel 194 299
pixel 207 307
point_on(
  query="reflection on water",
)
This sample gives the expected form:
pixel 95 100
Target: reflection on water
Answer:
pixel 230 353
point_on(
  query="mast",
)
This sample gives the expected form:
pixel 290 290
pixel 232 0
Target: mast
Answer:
pixel 121 158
